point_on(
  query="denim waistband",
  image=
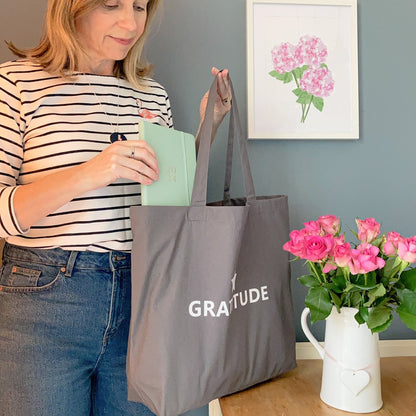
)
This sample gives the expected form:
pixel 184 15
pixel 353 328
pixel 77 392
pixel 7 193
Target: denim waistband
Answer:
pixel 68 260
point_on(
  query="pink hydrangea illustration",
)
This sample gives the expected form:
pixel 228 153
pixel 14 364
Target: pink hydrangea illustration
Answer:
pixel 310 51
pixel 284 58
pixel 305 64
pixel 317 81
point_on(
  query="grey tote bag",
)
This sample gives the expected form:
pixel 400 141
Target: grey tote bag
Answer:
pixel 211 301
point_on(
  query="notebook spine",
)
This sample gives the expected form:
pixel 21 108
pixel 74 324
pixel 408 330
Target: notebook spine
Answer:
pixel 141 130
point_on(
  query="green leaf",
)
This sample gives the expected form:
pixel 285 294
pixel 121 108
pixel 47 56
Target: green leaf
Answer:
pixel 355 299
pixel 383 301
pixel 304 98
pixel 330 286
pixel 407 317
pixel 365 281
pixel 363 313
pixel 318 102
pixel 359 318
pixel 352 288
pixel 385 281
pixel 407 307
pixel 383 327
pixel 340 281
pixel 333 287
pixel 324 66
pixel 298 72
pixel 378 316
pixel 319 303
pixel 297 91
pixel 335 299
pixel 407 300
pixel 391 267
pixel 278 75
pixel 408 278
pixel 309 280
pixel 377 242
pixel 354 233
pixel 375 293
pixel 287 77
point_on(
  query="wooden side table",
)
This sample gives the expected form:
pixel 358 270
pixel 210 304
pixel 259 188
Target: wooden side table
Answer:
pixel 296 393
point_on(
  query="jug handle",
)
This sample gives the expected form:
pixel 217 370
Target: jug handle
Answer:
pixel 308 333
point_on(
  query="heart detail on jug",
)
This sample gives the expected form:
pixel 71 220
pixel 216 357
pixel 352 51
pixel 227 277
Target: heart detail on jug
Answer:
pixel 355 381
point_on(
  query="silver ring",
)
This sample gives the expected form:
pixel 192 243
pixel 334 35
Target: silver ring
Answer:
pixel 132 152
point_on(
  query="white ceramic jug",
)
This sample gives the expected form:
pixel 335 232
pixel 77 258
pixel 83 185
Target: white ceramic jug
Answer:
pixel 351 362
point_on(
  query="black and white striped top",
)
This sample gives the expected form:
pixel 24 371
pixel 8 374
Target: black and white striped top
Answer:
pixel 48 123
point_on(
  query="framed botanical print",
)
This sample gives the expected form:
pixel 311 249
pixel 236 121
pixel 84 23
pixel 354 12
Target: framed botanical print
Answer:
pixel 302 69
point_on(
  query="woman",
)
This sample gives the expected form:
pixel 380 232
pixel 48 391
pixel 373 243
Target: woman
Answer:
pixel 70 168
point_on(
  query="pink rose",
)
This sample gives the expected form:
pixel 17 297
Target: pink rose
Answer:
pixel 340 240
pixel 329 223
pixel 283 57
pixel 328 267
pixel 317 248
pixel 407 249
pixel 313 228
pixel 296 244
pixel 392 243
pixel 368 230
pixel 364 259
pixel 342 254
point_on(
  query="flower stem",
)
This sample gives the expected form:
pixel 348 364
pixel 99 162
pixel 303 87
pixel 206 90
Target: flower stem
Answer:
pixel 322 272
pixel 309 106
pixel 296 80
pixel 315 271
pixel 346 274
pixel 303 105
pixel 302 120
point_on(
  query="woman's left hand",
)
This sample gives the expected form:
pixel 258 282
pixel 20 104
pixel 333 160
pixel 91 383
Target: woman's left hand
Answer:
pixel 222 100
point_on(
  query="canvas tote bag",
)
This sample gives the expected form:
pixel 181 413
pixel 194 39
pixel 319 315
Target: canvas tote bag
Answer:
pixel 211 301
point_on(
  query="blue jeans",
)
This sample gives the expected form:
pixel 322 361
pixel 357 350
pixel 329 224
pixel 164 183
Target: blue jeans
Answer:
pixel 64 319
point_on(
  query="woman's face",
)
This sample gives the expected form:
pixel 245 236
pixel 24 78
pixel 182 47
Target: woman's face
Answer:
pixel 108 32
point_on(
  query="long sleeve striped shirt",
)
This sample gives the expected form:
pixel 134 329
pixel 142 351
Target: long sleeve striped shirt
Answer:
pixel 48 123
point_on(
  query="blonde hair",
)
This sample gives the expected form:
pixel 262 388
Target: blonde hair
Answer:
pixel 59 51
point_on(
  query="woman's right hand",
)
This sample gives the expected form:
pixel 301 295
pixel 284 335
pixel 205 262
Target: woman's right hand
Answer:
pixel 133 159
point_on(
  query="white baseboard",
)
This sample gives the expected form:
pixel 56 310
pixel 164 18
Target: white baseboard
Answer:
pixel 215 408
pixel 306 351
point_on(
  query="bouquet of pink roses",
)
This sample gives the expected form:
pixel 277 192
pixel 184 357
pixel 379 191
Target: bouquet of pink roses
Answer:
pixel 372 276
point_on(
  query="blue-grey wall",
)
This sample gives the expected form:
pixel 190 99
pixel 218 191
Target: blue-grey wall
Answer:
pixel 369 177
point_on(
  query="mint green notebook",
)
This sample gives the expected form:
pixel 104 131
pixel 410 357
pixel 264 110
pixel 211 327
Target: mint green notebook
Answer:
pixel 176 155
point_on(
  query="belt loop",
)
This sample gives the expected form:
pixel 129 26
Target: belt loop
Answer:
pixel 71 263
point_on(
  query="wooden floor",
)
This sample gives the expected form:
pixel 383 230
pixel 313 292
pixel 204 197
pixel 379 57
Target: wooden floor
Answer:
pixel 297 392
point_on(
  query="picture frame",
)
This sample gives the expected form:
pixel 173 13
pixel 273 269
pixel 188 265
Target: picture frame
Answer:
pixel 302 69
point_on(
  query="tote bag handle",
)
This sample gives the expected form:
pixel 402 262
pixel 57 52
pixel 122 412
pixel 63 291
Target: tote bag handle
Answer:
pixel 235 125
pixel 199 193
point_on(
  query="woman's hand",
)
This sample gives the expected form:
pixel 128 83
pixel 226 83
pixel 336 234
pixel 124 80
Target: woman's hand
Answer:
pixel 222 100
pixel 132 159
